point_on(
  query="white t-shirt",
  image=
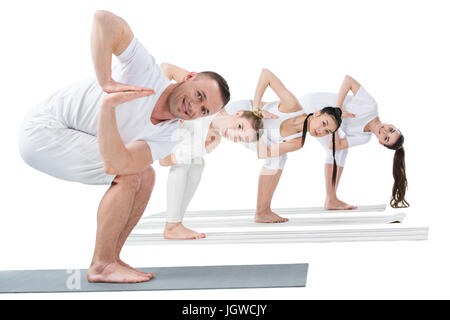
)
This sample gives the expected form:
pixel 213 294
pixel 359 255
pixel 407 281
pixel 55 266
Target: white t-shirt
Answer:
pixel 78 105
pixel 363 105
pixel 193 134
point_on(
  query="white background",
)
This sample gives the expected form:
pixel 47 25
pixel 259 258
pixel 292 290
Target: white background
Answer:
pixel 398 50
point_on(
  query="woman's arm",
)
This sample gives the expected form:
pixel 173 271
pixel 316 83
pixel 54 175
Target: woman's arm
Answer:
pixel 278 149
pixel 266 79
pixel 212 141
pixel 172 72
pixel 120 159
pixel 348 84
pixel 168 161
pixel 340 144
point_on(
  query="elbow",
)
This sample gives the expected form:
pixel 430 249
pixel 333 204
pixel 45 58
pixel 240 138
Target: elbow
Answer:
pixel 265 71
pixel 102 15
pixel 163 163
pixel 164 66
pixel 111 167
pixel 108 168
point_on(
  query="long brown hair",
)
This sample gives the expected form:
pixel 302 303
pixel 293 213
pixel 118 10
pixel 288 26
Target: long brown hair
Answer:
pixel 399 172
pixel 336 113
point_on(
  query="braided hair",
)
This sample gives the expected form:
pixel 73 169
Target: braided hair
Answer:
pixel 336 113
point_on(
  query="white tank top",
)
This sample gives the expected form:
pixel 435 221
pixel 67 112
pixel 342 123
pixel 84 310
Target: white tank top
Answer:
pixel 272 134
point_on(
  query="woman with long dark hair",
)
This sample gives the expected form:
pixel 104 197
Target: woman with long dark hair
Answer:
pixel 356 129
pixel 285 133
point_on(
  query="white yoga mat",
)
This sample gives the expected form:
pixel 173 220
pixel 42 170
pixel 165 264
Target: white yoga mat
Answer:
pixel 281 211
pixel 300 236
pixel 314 219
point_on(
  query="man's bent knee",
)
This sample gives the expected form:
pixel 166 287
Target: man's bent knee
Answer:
pixel 147 179
pixel 132 181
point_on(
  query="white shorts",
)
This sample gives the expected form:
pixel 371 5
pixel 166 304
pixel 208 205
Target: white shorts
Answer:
pixel 48 145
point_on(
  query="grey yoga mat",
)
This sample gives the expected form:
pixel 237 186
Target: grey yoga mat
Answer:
pixel 171 278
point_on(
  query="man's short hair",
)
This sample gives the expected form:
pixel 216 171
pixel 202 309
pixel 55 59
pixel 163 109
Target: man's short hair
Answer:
pixel 223 85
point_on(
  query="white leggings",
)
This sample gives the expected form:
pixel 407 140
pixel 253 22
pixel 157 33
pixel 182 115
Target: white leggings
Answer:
pixel 182 183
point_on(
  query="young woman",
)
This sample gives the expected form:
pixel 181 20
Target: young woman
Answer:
pixel 359 131
pixel 355 130
pixel 286 126
pixel 285 134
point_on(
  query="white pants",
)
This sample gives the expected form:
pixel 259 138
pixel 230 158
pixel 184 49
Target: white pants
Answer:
pixel 48 145
pixel 182 183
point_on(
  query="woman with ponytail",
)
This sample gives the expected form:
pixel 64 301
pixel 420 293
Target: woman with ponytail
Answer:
pixel 362 121
pixel 359 130
pixel 283 134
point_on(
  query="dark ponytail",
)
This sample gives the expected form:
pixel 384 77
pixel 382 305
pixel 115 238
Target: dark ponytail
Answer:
pixel 336 113
pixel 399 172
pixel 305 128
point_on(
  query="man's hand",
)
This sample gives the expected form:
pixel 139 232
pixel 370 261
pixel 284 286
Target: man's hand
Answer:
pixel 113 86
pixel 116 98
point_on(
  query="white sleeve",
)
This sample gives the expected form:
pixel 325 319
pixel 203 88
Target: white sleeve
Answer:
pixel 135 59
pixel 364 95
pixel 357 139
pixel 163 143
pixel 160 149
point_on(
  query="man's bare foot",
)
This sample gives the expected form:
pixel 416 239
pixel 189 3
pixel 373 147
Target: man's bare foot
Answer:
pixel 114 273
pixel 119 261
pixel 336 204
pixel 177 231
pixel 268 216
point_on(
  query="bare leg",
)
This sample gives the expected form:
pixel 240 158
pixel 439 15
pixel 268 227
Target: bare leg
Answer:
pixel 332 202
pixel 140 203
pixel 268 181
pixel 113 214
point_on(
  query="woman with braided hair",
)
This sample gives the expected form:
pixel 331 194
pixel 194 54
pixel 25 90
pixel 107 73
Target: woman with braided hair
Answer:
pixel 360 111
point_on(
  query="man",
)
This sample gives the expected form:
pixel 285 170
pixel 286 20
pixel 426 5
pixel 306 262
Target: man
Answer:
pixel 60 136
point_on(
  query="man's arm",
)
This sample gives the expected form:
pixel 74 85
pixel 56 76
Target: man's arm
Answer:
pixel 173 72
pixel 120 159
pixel 347 84
pixel 110 35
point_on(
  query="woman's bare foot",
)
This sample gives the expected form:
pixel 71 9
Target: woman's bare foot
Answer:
pixel 177 231
pixel 336 204
pixel 114 273
pixel 268 216
pixel 119 261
